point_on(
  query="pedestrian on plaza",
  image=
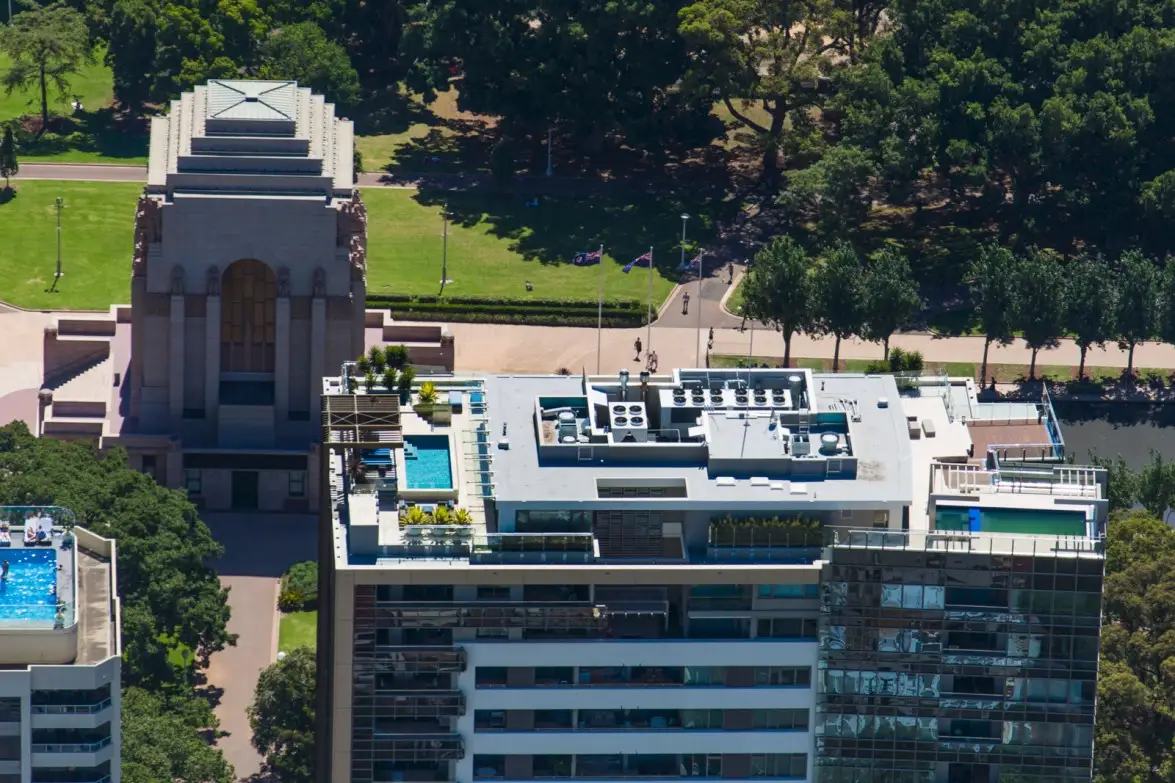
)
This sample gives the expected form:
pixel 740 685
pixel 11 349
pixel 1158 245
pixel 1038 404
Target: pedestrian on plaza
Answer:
pixel 685 303
pixel 637 346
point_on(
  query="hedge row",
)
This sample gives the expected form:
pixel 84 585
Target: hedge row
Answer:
pixel 391 300
pixel 526 318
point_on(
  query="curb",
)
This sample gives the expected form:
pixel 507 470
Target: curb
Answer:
pixel 730 289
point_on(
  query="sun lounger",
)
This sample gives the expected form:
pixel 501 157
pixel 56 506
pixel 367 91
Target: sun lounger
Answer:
pixel 5 538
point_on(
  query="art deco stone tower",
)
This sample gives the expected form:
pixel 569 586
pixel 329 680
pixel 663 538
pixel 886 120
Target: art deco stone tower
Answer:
pixel 249 274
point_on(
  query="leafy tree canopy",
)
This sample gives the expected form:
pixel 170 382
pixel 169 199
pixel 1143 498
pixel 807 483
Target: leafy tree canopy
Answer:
pixel 282 716
pixel 302 52
pixel 46 45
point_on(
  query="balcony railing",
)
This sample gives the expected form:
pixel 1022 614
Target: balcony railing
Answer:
pixel 528 615
pixel 70 747
pixel 413 748
pixel 419 704
pixel 423 660
pixel 70 709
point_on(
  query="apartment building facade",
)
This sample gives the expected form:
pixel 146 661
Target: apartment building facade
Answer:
pixel 702 575
pixel 60 655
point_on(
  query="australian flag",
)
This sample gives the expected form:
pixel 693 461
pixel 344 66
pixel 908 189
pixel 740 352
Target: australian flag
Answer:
pixel 645 260
pixel 586 259
pixel 694 265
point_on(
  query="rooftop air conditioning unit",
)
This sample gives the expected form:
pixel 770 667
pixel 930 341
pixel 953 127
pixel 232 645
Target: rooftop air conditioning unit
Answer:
pixel 631 425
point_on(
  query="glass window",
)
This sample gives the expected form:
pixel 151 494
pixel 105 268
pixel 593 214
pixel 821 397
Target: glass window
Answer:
pixel 490 676
pixel 787 628
pixel 493 633
pixel 552 720
pixel 705 675
pixel 550 765
pixel 194 482
pixel 599 765
pixel 485 766
pixel 489 720
pixel 552 522
pixel 554 675
pixel 784 720
pixel 719 628
pixel 779 765
pixel 701 719
pixel 700 765
pixel 493 593
pixel 297 483
pixel 789 591
pixel 783 676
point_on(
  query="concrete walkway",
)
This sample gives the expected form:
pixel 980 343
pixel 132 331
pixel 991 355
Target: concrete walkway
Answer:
pixel 252 574
pixel 113 172
pixel 506 348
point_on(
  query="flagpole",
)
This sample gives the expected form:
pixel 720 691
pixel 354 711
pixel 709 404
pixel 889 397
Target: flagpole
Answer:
pixel 600 313
pixel 649 327
pixel 698 355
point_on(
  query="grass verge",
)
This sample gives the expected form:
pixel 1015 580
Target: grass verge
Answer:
pixel 298 629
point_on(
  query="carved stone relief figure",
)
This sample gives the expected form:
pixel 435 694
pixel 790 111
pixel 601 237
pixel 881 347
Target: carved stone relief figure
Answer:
pixel 283 281
pixel 213 284
pixel 319 282
pixel 177 280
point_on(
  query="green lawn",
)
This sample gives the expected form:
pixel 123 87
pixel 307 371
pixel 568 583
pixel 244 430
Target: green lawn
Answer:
pixel 97 227
pixel 93 83
pixel 497 243
pixel 94 136
pixel 298 629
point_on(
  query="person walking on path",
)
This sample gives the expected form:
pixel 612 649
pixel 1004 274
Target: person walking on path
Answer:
pixel 637 346
pixel 685 303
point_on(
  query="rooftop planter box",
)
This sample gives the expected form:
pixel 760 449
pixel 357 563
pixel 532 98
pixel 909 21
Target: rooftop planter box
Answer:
pixel 728 531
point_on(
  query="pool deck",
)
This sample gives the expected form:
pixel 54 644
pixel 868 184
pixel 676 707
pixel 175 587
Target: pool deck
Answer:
pixel 64 576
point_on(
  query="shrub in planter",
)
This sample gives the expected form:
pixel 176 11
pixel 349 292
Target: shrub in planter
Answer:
pixel 396 356
pixel 428 393
pixel 375 356
pixel 291 600
pixel 303 577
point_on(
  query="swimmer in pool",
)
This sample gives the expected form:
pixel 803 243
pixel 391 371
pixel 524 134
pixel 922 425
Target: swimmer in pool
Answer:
pixel 4 571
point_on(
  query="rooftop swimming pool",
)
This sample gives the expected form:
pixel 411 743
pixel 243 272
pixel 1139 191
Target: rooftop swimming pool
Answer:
pixel 29 592
pixel 426 462
pixel 1010 520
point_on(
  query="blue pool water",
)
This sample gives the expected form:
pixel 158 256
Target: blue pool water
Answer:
pixel 27 593
pixel 426 462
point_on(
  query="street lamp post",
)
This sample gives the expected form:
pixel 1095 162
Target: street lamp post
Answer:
pixel 445 247
pixel 550 165
pixel 60 205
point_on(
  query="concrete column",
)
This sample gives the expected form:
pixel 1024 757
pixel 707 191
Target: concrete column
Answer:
pixel 317 352
pixel 138 315
pixel 281 364
pixel 211 361
pixel 176 359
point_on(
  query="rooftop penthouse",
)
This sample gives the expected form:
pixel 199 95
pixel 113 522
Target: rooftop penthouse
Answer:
pixel 684 468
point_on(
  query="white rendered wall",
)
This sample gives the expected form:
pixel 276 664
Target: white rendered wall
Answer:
pixel 766 652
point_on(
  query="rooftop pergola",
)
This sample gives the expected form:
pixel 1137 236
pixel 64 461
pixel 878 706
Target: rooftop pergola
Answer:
pixel 370 421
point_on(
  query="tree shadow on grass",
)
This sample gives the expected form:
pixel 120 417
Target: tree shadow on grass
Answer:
pixel 7 195
pixel 109 133
pixel 561 225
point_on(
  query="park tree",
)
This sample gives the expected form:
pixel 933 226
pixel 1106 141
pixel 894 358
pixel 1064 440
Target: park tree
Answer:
pixel 762 54
pixel 171 598
pixel 589 70
pixel 46 45
pixel 993 292
pixel 840 294
pixel 282 716
pixel 778 290
pixel 162 739
pixel 130 51
pixel 891 298
pixel 1091 304
pixel 1122 481
pixel 1041 296
pixel 836 189
pixel 302 52
pixel 9 167
pixel 1167 303
pixel 1135 730
pixel 1154 486
pixel 1138 302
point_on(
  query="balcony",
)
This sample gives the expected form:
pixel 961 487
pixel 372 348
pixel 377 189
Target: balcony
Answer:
pixel 417 748
pixel 527 615
pixel 423 659
pixel 70 716
pixel 418 704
